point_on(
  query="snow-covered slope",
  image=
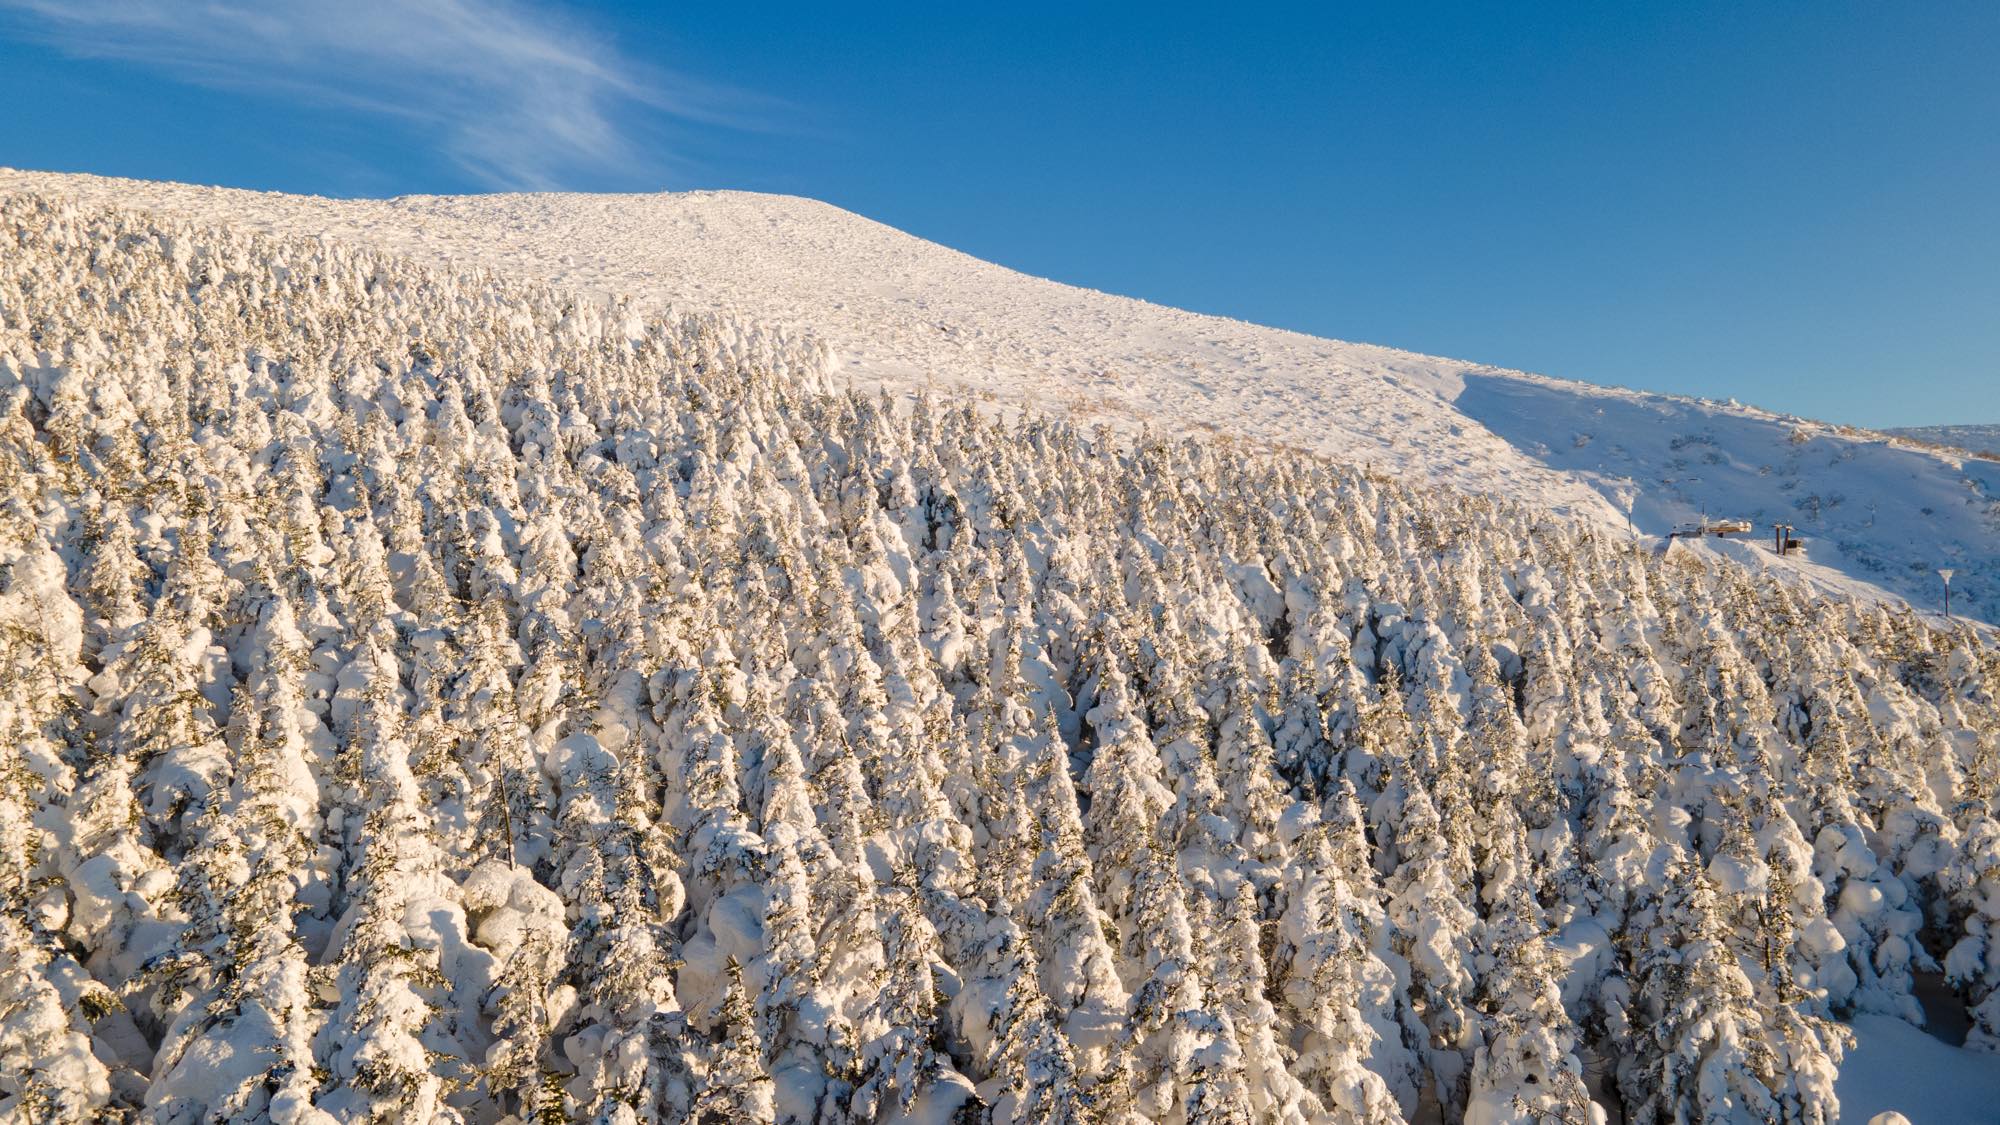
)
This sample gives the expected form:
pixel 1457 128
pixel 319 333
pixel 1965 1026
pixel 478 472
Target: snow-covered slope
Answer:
pixel 1872 509
pixel 427 696
pixel 906 312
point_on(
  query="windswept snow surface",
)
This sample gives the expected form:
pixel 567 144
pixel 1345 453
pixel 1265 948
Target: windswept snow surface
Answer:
pixel 1871 509
pixel 903 312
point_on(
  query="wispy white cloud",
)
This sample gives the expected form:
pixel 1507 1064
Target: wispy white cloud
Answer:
pixel 520 96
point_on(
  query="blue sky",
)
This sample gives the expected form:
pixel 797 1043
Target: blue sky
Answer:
pixel 1797 205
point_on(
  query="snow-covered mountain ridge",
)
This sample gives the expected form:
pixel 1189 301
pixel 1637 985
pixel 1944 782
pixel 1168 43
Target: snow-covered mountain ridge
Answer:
pixel 1980 440
pixel 908 313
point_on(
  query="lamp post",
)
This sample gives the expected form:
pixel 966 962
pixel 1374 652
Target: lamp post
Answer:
pixel 1945 573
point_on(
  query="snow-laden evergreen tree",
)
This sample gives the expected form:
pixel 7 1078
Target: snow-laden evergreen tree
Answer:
pixel 1435 930
pixel 1343 995
pixel 1079 966
pixel 1973 963
pixel 1525 1068
pixel 902 1068
pixel 238 982
pixel 1698 1051
pixel 396 1045
pixel 50 1067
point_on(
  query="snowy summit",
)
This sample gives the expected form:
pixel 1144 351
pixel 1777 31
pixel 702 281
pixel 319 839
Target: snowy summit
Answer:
pixel 1878 514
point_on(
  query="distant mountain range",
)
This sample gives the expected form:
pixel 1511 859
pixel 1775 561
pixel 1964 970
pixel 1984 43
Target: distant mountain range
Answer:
pixel 1984 440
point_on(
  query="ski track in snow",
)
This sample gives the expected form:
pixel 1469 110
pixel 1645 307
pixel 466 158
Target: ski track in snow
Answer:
pixel 1878 513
